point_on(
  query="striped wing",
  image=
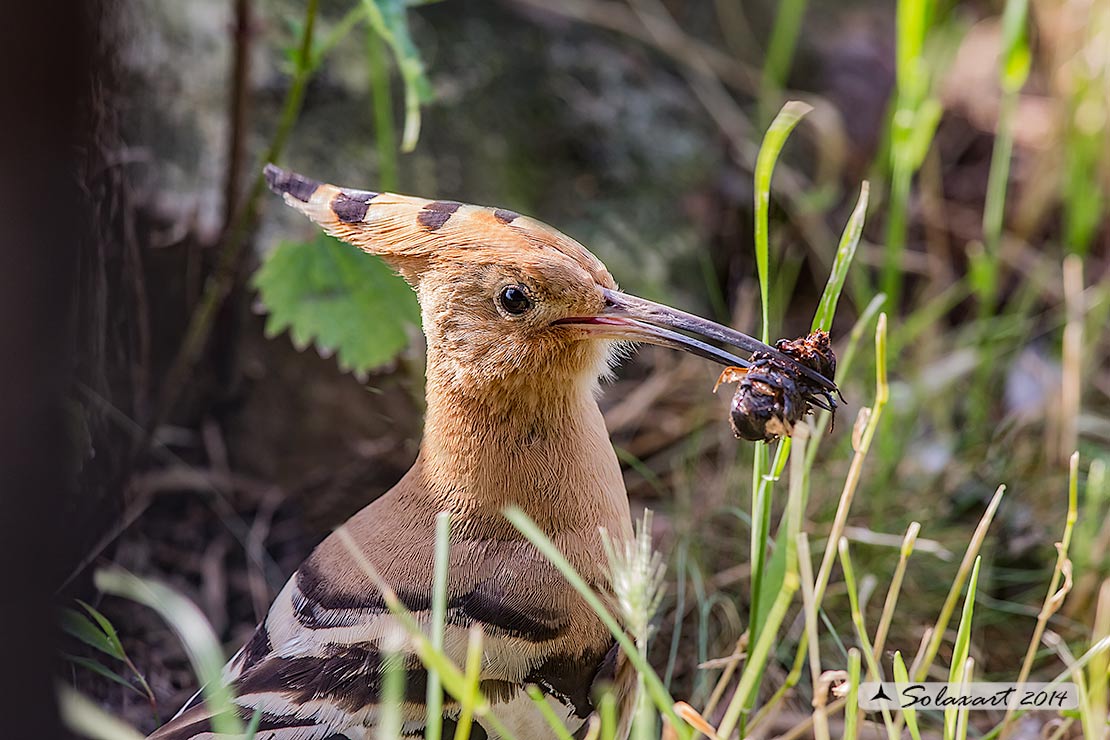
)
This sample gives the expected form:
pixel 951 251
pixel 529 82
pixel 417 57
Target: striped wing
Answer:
pixel 314 666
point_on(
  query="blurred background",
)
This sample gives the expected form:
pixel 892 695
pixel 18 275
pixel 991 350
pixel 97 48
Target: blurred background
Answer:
pixel 225 418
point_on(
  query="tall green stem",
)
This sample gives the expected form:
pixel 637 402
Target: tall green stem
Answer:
pixel 385 135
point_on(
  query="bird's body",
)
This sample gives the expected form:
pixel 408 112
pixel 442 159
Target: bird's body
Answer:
pixel 521 323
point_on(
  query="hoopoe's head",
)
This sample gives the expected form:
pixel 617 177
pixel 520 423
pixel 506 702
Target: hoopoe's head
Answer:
pixel 504 299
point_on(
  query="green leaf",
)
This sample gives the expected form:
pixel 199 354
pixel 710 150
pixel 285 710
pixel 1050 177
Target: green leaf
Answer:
pixel 102 670
pixel 851 711
pixel 78 625
pixel 962 647
pixel 849 240
pixel 925 125
pixel 388 19
pixel 342 300
pixel 104 624
pixel 773 142
pixel 902 676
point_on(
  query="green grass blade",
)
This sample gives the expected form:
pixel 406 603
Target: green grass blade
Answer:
pixel 849 240
pixel 962 647
pixel 84 717
pixel 385 136
pixel 472 697
pixel 949 606
pixel 761 536
pixel 548 713
pixel 902 676
pixel 608 712
pixel 196 635
pixel 81 627
pixel 389 718
pixel 106 626
pixel 780 53
pixel 757 657
pixel 102 670
pixel 773 142
pixel 851 710
pixel 433 727
pixel 874 671
pixel 455 681
pixel 252 726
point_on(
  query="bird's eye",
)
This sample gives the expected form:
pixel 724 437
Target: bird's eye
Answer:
pixel 514 300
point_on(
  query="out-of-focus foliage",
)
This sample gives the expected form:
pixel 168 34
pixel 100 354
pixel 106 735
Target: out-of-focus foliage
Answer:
pixel 345 302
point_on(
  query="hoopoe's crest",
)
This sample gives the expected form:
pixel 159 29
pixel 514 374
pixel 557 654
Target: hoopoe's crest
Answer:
pixel 415 233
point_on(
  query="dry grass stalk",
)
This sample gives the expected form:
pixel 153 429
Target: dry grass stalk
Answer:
pixel 977 539
pixel 1072 357
pixel 895 588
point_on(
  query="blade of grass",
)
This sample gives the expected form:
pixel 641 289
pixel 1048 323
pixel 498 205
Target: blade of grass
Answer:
pixel 252 727
pixel 102 670
pixel 872 417
pixel 389 720
pixel 757 659
pixel 105 624
pixel 222 280
pixel 845 251
pixel 1092 725
pixel 1055 596
pixel 773 141
pixel 895 588
pixel 607 708
pixel 1099 649
pixel 388 19
pixel 960 651
pixel 844 367
pixel 196 635
pixel 874 671
pixel 79 626
pixel 84 717
pixel 1099 672
pixel 970 556
pixel 909 715
pixel 851 709
pixel 433 721
pixel 679 610
pixel 1013 72
pixel 780 54
pixel 747 689
pixel 961 713
pixel 385 136
pixel 761 532
pixel 472 696
pixel 914 119
pixel 813 638
pixel 548 713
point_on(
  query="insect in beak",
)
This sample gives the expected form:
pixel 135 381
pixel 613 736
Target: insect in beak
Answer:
pixel 629 318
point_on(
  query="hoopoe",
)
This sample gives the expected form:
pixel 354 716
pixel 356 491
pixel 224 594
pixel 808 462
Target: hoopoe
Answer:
pixel 521 323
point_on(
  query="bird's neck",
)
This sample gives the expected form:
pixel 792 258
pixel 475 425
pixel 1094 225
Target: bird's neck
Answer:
pixel 538 444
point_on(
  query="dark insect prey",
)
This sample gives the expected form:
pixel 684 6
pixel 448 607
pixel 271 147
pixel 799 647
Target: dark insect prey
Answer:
pixel 774 395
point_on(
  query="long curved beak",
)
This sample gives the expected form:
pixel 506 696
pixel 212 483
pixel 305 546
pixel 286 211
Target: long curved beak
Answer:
pixel 629 318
